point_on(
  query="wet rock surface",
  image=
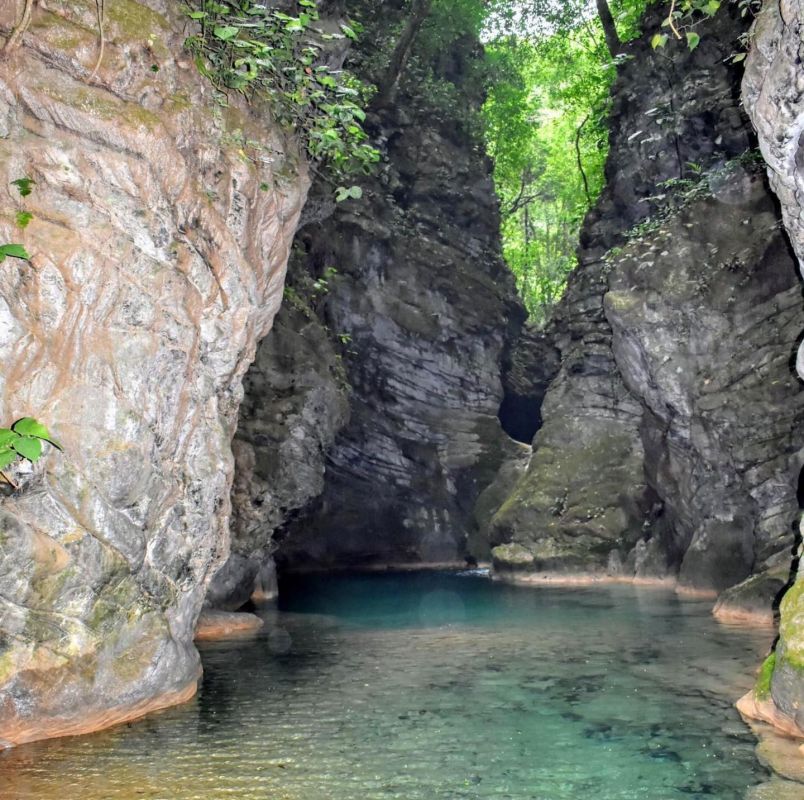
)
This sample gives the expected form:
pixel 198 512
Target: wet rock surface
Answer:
pixel 296 400
pixel 157 264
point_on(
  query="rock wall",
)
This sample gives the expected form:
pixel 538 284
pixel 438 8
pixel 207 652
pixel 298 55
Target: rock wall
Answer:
pixel 671 441
pixel 421 307
pixel 296 400
pixel 158 259
pixel 772 92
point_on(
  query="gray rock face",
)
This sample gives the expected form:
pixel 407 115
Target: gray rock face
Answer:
pixel 425 304
pixel 772 92
pixel 702 313
pixel 425 307
pixel 296 400
pixel 671 436
pixel 157 264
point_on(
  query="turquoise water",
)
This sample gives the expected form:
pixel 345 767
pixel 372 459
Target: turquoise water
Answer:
pixel 438 687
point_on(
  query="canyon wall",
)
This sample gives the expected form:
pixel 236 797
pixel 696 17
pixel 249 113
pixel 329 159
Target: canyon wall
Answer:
pixel 772 92
pixel 671 441
pixel 158 252
pixel 420 310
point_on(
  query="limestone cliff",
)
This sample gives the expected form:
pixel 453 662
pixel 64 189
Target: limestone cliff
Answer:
pixel 420 307
pixel 772 92
pixel 671 440
pixel 296 400
pixel 158 259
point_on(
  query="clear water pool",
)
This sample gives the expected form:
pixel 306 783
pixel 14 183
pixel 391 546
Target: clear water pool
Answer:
pixel 437 686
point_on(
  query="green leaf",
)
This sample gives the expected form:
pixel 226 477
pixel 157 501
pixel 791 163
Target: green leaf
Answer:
pixel 348 193
pixel 23 185
pixel 28 426
pixel 7 436
pixel 7 456
pixel 23 218
pixel 13 251
pixel 658 40
pixel 693 39
pixel 738 57
pixel 226 32
pixel 28 447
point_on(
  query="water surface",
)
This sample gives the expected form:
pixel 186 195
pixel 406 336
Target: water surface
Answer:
pixel 438 687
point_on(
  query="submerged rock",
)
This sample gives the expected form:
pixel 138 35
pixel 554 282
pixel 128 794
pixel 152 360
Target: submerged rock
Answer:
pixel 215 625
pixel 158 258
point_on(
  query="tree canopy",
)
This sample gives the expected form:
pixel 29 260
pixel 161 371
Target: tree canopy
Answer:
pixel 545 121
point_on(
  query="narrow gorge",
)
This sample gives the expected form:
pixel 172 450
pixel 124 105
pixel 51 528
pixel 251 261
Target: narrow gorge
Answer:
pixel 263 377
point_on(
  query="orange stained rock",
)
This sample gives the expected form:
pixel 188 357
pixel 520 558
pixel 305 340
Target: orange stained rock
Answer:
pixel 214 625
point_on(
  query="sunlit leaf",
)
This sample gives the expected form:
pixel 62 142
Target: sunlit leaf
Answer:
pixel 13 251
pixel 23 185
pixel 28 447
pixel 28 426
pixel 22 218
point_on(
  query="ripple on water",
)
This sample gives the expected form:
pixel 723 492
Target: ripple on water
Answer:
pixel 438 687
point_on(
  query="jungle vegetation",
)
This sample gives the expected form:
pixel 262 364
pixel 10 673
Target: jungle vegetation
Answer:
pixel 545 76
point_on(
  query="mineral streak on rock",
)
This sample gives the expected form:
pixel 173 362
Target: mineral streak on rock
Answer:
pixel 157 264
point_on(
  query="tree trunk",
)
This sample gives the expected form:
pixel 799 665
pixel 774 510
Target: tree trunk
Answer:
pixel 609 28
pixel 419 11
pixel 578 133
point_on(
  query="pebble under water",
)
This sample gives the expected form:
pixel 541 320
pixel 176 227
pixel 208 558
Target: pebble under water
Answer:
pixel 438 686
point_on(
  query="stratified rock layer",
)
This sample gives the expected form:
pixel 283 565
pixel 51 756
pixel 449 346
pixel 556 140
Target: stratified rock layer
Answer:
pixel 157 263
pixel 671 436
pixel 772 91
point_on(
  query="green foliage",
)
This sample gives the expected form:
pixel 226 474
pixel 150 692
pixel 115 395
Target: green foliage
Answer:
pixel 320 285
pixel 264 52
pixel 23 186
pixel 348 193
pixel 13 251
pixel 23 440
pixel 685 15
pixel 546 130
pixel 22 218
pixel 536 20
